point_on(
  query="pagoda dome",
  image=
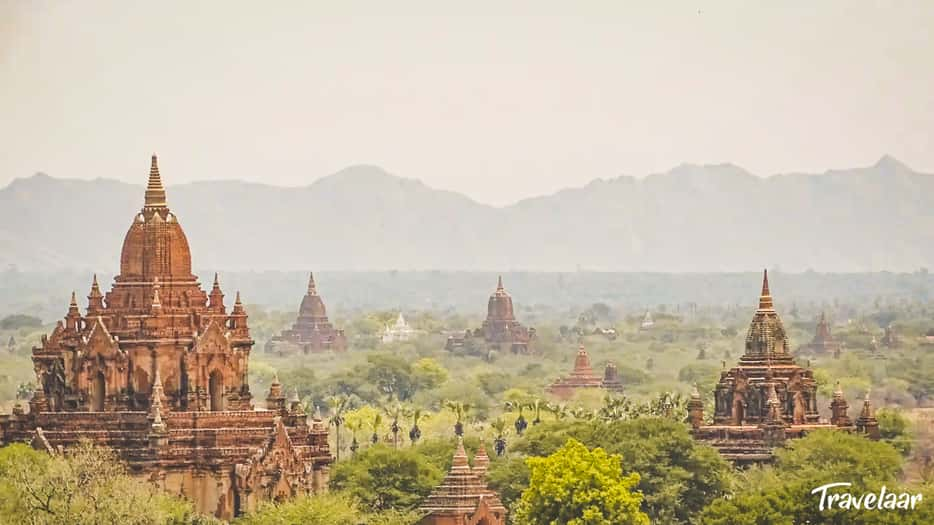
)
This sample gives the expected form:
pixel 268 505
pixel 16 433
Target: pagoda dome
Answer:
pixel 312 304
pixel 155 245
pixel 499 306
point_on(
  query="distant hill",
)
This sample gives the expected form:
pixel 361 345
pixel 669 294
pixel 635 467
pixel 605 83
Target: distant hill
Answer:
pixel 691 219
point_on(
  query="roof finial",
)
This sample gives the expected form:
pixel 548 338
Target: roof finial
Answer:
pixel 155 192
pixel 217 282
pixel 765 298
pixel 74 300
pixel 499 284
pixel 312 288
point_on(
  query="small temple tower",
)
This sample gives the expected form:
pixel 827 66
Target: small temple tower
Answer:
pixel 823 342
pixel 582 376
pixel 312 331
pixel 867 423
pixel 157 369
pixel 696 409
pixel 767 398
pixel 500 330
pixel 838 409
pixel 611 380
pixel 463 497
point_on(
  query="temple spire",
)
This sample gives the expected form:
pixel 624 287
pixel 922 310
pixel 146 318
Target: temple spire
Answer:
pixel 765 298
pixel 155 192
pixel 95 298
pixel 499 284
pixel 312 288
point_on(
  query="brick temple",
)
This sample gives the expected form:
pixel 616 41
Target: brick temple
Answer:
pixel 500 331
pixel 823 342
pixel 312 332
pixel 463 497
pixel 583 377
pixel 768 398
pixel 157 370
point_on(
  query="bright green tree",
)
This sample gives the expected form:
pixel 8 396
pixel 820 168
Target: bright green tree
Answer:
pixel 578 486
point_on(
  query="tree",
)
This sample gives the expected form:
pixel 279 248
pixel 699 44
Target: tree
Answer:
pixel 337 405
pixel 333 508
pixel 428 373
pixel 578 486
pixel 782 493
pixel 415 433
pixel 86 485
pixel 383 478
pixel 679 476
pixel 460 411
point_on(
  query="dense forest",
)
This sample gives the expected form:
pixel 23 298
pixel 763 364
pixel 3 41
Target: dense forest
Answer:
pixel 395 412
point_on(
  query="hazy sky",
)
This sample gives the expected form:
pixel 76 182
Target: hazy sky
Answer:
pixel 498 102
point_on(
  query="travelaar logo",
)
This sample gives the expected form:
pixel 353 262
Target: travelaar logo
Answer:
pixel 882 500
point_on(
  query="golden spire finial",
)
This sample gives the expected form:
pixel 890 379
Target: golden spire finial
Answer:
pixel 765 298
pixel 312 288
pixel 155 192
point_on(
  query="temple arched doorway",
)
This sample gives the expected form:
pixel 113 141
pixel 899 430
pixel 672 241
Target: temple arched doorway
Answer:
pixel 216 391
pixel 98 391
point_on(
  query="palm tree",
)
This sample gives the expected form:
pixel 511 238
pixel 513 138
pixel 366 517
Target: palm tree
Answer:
pixel 559 410
pixel 354 427
pixel 499 442
pixel 394 412
pixel 337 405
pixel 375 423
pixel 415 433
pixel 521 424
pixel 460 411
pixel 536 406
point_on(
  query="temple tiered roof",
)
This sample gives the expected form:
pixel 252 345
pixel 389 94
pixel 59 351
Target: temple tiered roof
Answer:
pixel 767 397
pixel 463 497
pixel 312 331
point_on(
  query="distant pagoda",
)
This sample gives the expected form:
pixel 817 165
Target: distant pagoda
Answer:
pixel 767 398
pixel 312 332
pixel 463 497
pixel 583 376
pixel 500 330
pixel 823 342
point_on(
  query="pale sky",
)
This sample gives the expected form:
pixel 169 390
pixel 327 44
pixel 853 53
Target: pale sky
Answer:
pixel 496 101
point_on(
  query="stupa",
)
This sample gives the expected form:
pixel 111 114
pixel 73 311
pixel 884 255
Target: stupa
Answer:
pixel 583 376
pixel 767 398
pixel 463 497
pixel 500 331
pixel 312 332
pixel 823 342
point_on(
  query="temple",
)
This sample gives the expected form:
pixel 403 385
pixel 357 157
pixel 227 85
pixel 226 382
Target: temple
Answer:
pixel 500 331
pixel 157 370
pixel 823 342
pixel 463 497
pixel 311 332
pixel 767 398
pixel 583 377
pixel 398 332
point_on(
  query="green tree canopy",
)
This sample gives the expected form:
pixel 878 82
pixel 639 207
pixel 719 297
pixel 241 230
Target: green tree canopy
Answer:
pixel 88 485
pixel 578 486
pixel 384 478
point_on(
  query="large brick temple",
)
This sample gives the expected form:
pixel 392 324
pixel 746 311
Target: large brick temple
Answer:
pixel 768 398
pixel 157 369
pixel 312 332
pixel 500 330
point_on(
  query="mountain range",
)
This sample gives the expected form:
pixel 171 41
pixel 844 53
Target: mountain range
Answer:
pixel 693 218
